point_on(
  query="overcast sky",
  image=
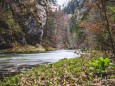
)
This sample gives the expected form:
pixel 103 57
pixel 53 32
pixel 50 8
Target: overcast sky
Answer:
pixel 61 2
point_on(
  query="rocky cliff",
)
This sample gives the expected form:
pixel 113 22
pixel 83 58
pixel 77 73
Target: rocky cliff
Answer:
pixel 22 22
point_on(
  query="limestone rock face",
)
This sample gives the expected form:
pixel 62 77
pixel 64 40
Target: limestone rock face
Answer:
pixel 81 9
pixel 31 14
pixel 25 20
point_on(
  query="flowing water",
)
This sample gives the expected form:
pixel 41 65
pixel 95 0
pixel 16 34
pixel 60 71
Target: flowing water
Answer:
pixel 10 63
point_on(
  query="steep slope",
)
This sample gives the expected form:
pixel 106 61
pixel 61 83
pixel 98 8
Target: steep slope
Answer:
pixel 22 22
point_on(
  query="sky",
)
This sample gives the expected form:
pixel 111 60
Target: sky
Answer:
pixel 61 2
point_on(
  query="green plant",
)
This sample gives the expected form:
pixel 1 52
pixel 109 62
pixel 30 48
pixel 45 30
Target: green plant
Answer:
pixel 100 65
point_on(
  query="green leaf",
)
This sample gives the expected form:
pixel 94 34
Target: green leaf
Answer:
pixel 107 61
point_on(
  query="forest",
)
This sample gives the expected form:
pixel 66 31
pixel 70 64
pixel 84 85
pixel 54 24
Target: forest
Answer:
pixel 45 43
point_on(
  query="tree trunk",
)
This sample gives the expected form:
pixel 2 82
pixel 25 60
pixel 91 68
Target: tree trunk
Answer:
pixel 107 25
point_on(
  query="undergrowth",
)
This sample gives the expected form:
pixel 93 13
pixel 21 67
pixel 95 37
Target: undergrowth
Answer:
pixel 67 72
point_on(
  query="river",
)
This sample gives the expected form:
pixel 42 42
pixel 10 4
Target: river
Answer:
pixel 10 63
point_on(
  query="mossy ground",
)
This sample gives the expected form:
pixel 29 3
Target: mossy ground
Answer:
pixel 24 49
pixel 66 72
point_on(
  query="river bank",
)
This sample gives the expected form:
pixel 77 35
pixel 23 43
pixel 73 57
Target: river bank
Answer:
pixel 24 49
pixel 74 71
pixel 27 49
pixel 15 63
